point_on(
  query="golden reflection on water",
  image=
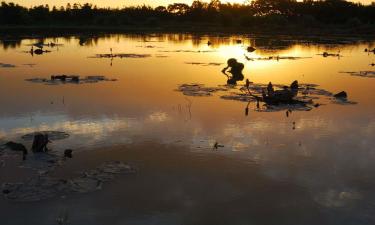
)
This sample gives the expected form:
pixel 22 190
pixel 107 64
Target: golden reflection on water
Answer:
pixel 142 104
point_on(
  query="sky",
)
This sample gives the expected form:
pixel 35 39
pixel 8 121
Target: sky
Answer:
pixel 120 3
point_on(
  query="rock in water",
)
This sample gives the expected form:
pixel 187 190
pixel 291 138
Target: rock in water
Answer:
pixel 342 94
pixel 40 143
pixel 251 49
pixel 16 146
pixel 68 153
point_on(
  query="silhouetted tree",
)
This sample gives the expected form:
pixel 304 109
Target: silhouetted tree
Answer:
pixel 253 13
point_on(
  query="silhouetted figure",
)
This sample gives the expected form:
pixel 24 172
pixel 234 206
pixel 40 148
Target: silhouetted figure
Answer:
pixel 235 70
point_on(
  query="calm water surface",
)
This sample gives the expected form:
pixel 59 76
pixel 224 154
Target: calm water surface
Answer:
pixel 330 154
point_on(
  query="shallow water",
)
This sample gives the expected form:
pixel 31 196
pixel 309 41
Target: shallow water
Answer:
pixel 329 154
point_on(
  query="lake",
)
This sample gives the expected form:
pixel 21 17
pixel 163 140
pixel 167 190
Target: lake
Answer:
pixel 311 166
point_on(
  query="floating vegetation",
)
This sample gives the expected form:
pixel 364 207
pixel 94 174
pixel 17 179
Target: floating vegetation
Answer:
pixel 368 74
pixel 37 51
pixel 161 56
pixel 303 99
pixel 41 44
pixel 29 64
pixel 244 97
pixel 199 89
pixel 43 186
pixel 6 65
pixel 123 55
pixel 70 79
pixel 284 107
pixel 190 51
pixel 147 46
pixel 52 135
pixel 326 54
pixel 277 58
pixel 204 64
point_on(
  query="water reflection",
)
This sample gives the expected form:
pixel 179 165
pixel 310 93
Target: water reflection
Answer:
pixel 326 153
pixel 147 84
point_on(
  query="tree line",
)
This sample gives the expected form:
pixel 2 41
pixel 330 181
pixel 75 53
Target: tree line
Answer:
pixel 254 13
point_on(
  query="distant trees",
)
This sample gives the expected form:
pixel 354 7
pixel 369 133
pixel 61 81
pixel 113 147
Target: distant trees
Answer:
pixel 270 12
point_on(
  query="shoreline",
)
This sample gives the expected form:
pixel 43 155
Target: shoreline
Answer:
pixel 365 32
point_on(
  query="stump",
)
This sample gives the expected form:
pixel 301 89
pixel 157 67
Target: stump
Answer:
pixel 40 143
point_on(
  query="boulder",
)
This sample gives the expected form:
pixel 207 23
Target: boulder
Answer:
pixel 341 94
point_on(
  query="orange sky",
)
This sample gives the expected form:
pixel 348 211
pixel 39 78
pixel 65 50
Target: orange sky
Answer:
pixel 120 3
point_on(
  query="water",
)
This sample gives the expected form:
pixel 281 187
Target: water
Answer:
pixel 329 154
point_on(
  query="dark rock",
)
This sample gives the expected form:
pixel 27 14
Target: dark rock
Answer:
pixel 294 85
pixel 6 191
pixel 59 77
pixel 341 94
pixel 68 153
pixel 251 49
pixel 40 143
pixel 38 51
pixel 16 147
